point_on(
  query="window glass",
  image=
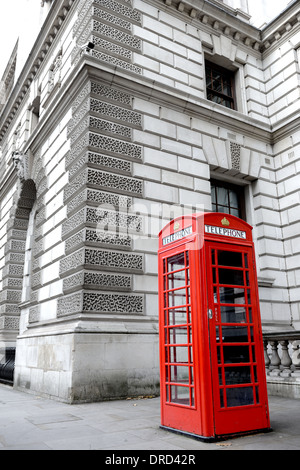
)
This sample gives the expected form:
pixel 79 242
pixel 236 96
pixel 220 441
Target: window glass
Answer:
pixel 227 198
pixel 219 85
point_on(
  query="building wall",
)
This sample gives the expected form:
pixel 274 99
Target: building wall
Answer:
pixel 112 143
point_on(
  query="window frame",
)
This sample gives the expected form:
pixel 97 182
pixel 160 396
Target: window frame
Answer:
pixel 239 190
pixel 230 76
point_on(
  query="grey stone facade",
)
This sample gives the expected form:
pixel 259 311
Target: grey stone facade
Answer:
pixel 101 146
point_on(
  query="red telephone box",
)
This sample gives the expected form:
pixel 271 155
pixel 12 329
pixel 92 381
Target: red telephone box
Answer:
pixel 213 380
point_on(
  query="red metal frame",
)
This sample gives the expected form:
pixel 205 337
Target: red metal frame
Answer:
pixel 212 364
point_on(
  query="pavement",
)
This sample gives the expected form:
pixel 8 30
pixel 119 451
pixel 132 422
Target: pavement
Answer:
pixel 31 422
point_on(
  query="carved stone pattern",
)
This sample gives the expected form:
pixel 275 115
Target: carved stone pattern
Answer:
pixel 109 162
pixel 38 247
pixel 80 145
pixel 235 152
pixel 117 62
pixel 15 258
pixel 69 304
pixel 115 182
pixel 91 236
pixel 78 115
pixel 13 270
pixel 92 279
pixel 98 197
pixel 106 259
pixel 34 296
pixel 102 161
pixel 75 185
pixel 112 303
pixel 82 25
pixel 81 96
pixel 115 146
pixel 19 234
pixel 118 201
pixel 111 127
pixel 23 212
pixel 96 236
pixel 117 35
pixel 76 202
pixel 72 261
pixel 104 217
pixel 112 259
pixel 112 48
pixel 12 282
pixel 79 130
pixel 75 165
pixel 10 308
pixel 115 112
pixel 36 279
pixel 16 245
pixel 34 314
pixel 110 93
pixel 115 20
pixel 74 222
pixel 75 240
pixel 117 7
pixel 10 296
pixel 10 323
pixel 82 8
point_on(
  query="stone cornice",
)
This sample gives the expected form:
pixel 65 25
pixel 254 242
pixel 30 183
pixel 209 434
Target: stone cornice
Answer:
pixel 50 29
pixel 234 23
pixel 282 26
pixel 220 18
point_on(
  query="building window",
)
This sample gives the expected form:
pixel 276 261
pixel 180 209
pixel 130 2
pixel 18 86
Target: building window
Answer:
pixel 228 198
pixel 220 85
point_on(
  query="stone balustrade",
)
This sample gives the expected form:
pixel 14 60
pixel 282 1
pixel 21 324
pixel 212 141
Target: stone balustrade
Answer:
pixel 282 361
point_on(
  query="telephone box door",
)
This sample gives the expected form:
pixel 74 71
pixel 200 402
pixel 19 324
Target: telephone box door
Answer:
pixel 239 391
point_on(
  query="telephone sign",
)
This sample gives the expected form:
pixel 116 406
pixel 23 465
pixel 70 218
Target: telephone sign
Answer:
pixel 213 380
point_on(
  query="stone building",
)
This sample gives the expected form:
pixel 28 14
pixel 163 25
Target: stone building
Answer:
pixel 125 114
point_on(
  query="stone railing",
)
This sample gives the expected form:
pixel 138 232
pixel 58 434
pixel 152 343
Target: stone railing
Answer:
pixel 282 361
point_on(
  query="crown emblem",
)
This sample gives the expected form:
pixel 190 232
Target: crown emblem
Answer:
pixel 225 222
pixel 176 225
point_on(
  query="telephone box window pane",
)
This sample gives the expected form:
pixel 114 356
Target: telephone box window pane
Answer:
pixel 232 295
pixel 177 317
pixel 176 262
pixel 230 258
pixel 237 375
pixel 177 298
pixel 257 394
pixel 178 335
pixel 234 334
pixel 222 398
pixel 231 314
pixel 179 354
pixel 236 354
pixel 176 280
pixel 180 374
pixel 250 315
pixel 231 276
pixel 240 396
pixel 220 377
pixel 255 373
pixel 180 395
pixel 192 397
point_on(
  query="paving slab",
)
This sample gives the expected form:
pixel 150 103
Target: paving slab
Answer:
pixel 31 422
